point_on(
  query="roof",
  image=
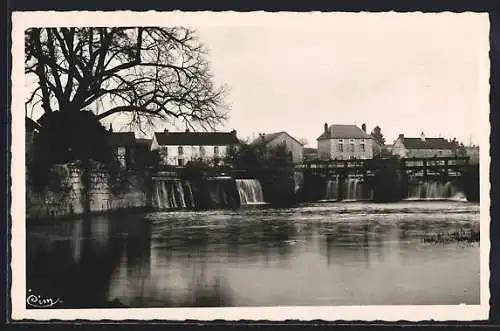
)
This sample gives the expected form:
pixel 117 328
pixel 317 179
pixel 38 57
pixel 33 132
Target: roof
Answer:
pixel 196 138
pixel 428 143
pixel 144 141
pixel 266 138
pixel 336 131
pixel 121 139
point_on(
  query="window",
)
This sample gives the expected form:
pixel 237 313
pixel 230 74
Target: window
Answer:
pixel 362 146
pixel 164 155
pixel 180 162
pixel 216 150
pixel 352 147
pixel 180 151
pixel 202 150
pixel 340 147
pixel 121 153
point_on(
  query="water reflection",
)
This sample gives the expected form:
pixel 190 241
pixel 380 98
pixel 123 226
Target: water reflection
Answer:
pixel 317 254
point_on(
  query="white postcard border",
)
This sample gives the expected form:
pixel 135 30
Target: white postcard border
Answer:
pixel 23 20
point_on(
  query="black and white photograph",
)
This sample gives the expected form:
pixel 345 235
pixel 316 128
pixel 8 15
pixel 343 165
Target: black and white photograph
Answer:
pixel 250 166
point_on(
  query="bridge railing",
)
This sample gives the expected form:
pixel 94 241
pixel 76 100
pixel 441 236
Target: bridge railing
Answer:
pixel 373 164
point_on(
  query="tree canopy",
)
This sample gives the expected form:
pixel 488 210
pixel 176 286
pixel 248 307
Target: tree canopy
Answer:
pixel 258 157
pixel 378 136
pixel 147 73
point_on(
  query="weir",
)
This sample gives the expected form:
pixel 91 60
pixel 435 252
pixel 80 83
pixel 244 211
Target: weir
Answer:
pixel 168 194
pixel 332 190
pixel 249 191
pixel 390 179
pixel 355 189
pixel 350 189
pixel 435 190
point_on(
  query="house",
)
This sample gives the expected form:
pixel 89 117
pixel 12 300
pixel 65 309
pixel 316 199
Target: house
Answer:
pixel 122 145
pixel 422 147
pixel 342 142
pixel 179 148
pixel 473 153
pixel 310 154
pixel 269 140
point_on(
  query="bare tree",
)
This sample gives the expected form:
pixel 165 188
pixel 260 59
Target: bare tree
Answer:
pixel 147 73
pixel 303 141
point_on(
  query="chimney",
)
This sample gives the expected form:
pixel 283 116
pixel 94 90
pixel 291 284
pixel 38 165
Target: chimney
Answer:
pixel 363 127
pixel 401 136
pixel 422 136
pixel 111 127
pixel 233 132
pixel 187 130
pixel 326 127
pixel 165 130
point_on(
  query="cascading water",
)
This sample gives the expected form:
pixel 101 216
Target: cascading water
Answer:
pixel 354 189
pixel 168 194
pixel 190 193
pixel 332 190
pixel 250 191
pixel 434 190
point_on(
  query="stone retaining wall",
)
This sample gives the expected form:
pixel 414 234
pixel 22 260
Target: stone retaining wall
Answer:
pixel 69 197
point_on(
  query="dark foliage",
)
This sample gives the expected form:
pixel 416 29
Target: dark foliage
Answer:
pixel 378 136
pixel 65 137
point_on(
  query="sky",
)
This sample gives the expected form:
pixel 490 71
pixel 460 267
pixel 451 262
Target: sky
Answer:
pixel 408 74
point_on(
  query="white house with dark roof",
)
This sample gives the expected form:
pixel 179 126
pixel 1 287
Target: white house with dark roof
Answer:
pixel 343 142
pixel 282 138
pixel 422 147
pixel 178 148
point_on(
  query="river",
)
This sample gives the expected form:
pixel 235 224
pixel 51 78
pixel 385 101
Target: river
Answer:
pixel 341 253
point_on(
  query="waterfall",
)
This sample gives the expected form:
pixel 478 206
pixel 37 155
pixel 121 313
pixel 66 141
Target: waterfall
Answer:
pixel 250 191
pixel 354 189
pixel 434 190
pixel 332 190
pixel 190 193
pixel 168 194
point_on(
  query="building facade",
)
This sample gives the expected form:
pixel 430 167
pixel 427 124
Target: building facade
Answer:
pixel 473 153
pixel 343 142
pixel 179 148
pixel 122 146
pixel 422 147
pixel 276 139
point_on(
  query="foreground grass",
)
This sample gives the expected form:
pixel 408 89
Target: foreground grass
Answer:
pixel 458 236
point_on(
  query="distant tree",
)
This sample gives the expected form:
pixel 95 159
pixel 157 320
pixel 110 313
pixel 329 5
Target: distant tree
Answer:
pixel 259 156
pixel 147 73
pixel 458 147
pixel 377 135
pixel 303 141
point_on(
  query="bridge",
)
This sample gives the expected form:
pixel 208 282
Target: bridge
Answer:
pixel 412 167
